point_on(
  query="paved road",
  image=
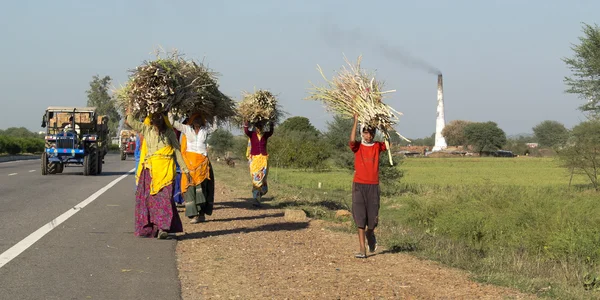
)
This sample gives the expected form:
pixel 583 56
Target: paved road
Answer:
pixel 91 255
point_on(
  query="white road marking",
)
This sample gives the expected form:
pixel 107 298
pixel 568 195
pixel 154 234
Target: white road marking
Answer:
pixel 21 246
pixel 12 174
pixel 30 171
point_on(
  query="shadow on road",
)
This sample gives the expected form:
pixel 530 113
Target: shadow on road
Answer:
pixel 263 216
pixel 245 203
pixel 269 227
pixel 397 249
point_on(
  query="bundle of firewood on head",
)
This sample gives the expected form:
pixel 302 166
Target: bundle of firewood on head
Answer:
pixel 354 91
pixel 258 108
pixel 176 85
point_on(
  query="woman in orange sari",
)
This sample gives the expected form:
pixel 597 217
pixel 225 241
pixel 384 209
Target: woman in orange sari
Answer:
pixel 199 193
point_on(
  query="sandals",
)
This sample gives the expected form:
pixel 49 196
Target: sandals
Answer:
pixel 162 235
pixel 360 255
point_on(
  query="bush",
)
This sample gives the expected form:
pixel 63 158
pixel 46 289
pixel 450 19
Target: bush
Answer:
pixel 12 146
pixel 390 175
pixel 114 147
pixel 296 149
pixel 3 144
pixel 221 141
pixel 240 144
pixel 32 145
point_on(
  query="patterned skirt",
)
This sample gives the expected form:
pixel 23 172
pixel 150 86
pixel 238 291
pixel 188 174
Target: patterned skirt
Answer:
pixel 259 169
pixel 155 212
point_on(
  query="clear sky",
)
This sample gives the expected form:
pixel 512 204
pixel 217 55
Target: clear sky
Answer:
pixel 501 60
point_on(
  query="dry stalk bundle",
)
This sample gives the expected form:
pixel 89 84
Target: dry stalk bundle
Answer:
pixel 173 84
pixel 354 91
pixel 259 107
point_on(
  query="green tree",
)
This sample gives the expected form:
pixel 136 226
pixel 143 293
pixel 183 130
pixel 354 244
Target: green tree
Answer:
pixel 585 66
pixel 19 132
pixel 240 146
pixel 454 133
pixel 221 141
pixel 98 97
pixel 485 137
pixel 298 149
pixel 298 124
pixel 551 133
pixel 338 132
pixel 337 137
pixel 11 145
pixel 518 144
pixel 426 141
pixel 582 152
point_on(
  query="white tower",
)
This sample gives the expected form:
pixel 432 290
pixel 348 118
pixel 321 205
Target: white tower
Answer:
pixel 440 122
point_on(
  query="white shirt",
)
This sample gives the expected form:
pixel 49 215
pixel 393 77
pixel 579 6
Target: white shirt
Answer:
pixel 68 127
pixel 196 142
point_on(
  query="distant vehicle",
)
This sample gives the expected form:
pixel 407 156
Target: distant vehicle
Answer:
pixel 127 143
pixel 74 135
pixel 504 153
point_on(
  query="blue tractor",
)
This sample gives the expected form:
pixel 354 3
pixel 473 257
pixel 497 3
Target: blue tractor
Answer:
pixel 74 136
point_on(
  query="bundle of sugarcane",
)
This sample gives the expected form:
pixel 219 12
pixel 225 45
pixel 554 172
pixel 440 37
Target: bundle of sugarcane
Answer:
pixel 259 107
pixel 354 91
pixel 207 100
pixel 176 85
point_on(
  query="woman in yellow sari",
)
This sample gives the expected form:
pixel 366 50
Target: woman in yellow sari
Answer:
pixel 258 159
pixel 155 211
pixel 199 192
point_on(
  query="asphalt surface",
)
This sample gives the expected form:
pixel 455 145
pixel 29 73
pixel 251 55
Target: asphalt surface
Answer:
pixel 91 255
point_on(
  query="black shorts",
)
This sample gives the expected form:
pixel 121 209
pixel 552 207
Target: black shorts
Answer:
pixel 365 204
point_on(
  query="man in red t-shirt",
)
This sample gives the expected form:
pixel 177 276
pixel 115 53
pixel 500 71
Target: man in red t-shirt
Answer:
pixel 365 186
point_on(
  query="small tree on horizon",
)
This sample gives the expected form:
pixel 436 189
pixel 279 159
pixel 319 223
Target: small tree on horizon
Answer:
pixel 485 137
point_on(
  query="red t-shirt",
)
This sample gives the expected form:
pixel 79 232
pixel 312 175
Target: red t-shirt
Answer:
pixel 366 161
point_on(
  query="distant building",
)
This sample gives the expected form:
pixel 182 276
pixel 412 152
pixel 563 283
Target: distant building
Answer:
pixel 532 145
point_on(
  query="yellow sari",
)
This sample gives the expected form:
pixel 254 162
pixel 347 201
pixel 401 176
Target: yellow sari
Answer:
pixel 161 165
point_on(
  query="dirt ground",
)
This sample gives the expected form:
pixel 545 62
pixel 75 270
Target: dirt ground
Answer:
pixel 246 253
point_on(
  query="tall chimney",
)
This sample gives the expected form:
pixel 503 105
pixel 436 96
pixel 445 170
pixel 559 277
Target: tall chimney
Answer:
pixel 440 142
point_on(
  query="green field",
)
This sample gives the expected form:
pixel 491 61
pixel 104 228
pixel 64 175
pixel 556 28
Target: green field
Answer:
pixel 511 221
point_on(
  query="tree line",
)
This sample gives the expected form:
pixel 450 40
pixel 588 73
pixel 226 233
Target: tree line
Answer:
pixel 18 140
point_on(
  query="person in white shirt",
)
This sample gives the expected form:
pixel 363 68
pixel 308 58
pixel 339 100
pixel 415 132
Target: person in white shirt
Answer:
pixel 69 126
pixel 199 193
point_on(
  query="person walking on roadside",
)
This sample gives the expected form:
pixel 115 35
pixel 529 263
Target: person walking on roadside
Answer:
pixel 258 159
pixel 155 211
pixel 199 192
pixel 138 148
pixel 177 196
pixel 365 186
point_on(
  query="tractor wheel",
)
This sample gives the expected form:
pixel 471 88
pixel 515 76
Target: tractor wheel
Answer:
pixel 90 161
pixel 99 169
pixel 123 155
pixel 60 167
pixel 44 165
pixel 93 159
pixel 86 165
pixel 52 168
